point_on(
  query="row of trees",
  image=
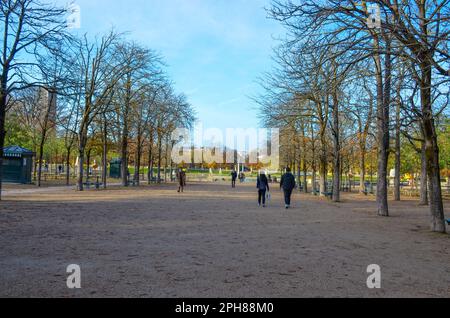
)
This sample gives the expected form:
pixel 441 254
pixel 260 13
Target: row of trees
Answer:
pixel 84 91
pixel 359 76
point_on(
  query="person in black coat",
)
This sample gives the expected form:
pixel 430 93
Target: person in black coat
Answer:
pixel 263 186
pixel 288 185
pixel 234 176
pixel 181 177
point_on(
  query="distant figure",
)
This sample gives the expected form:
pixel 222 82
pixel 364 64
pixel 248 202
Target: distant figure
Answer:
pixel 234 176
pixel 60 169
pixel 181 177
pixel 263 186
pixel 288 185
pixel 242 177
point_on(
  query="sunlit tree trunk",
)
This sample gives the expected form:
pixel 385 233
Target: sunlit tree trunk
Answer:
pixel 382 133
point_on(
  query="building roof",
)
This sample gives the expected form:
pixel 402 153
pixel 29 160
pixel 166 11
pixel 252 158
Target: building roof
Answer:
pixel 16 151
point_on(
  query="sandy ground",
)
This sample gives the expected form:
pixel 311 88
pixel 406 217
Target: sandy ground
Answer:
pixel 213 241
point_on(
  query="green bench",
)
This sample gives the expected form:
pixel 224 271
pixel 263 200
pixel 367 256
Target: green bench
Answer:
pixel 329 195
pixel 90 184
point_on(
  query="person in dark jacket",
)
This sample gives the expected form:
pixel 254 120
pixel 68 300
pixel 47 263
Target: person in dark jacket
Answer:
pixel 263 186
pixel 234 176
pixel 181 177
pixel 288 185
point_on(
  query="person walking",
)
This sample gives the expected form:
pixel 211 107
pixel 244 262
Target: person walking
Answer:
pixel 262 185
pixel 234 176
pixel 288 185
pixel 181 177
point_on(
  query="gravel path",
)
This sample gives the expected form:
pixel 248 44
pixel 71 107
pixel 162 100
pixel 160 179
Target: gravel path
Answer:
pixel 213 241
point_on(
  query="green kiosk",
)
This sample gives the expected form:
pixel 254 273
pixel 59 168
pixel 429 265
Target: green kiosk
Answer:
pixel 17 165
pixel 115 168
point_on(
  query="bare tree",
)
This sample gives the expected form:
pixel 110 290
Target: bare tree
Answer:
pixel 422 28
pixel 99 74
pixel 29 27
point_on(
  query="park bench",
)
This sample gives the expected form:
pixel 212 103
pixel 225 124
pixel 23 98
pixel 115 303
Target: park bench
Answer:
pixel 329 195
pixel 326 194
pixel 90 184
pixel 87 184
pixel 97 184
pixel 133 182
pixel 409 192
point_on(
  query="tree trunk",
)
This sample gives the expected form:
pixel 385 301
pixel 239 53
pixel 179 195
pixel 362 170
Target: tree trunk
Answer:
pixel 171 161
pixel 124 153
pixel 434 183
pixel 382 137
pixel 88 165
pixel 304 160
pixel 431 152
pixel 80 167
pixel 305 177
pixel 314 178
pixel 313 160
pixel 137 171
pixel 423 177
pixel 323 168
pixel 336 151
pixel 105 164
pixel 35 163
pixel 159 157
pixel 397 181
pixel 150 164
pixel 362 169
pixel 44 136
pixel 166 161
pixel 68 166
pixel 3 103
pixel 41 157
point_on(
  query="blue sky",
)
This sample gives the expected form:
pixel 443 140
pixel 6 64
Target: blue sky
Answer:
pixel 215 49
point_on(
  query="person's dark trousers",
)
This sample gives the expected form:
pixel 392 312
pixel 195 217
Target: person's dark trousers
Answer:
pixel 262 197
pixel 287 197
pixel 233 183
